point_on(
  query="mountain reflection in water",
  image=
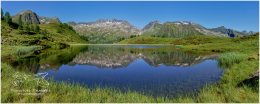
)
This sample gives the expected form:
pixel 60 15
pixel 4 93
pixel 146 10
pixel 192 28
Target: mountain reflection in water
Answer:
pixel 153 70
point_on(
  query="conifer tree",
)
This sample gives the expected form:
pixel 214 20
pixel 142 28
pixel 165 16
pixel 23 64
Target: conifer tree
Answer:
pixel 8 18
pixel 20 22
pixel 2 14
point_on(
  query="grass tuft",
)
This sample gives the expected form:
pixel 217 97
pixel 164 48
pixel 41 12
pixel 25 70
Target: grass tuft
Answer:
pixel 226 60
pixel 23 50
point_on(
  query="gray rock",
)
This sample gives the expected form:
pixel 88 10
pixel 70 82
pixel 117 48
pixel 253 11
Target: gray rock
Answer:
pixel 27 16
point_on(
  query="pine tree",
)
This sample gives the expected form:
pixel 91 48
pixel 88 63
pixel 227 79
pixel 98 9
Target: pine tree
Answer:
pixel 2 14
pixel 20 22
pixel 31 26
pixel 8 18
pixel 44 32
pixel 59 30
pixel 36 28
pixel 26 27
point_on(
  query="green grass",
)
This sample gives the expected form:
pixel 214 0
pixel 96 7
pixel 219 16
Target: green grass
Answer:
pixel 146 40
pixel 23 50
pixel 190 40
pixel 228 59
pixel 240 59
pixel 17 51
pixel 66 36
pixel 227 89
pixel 49 38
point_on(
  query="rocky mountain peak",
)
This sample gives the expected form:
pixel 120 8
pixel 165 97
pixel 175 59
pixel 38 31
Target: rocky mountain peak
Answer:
pixel 113 29
pixel 150 25
pixel 221 27
pixel 111 20
pixel 182 22
pixel 26 11
pixel 27 16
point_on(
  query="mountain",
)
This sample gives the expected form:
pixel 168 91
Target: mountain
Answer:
pixel 151 25
pixel 47 20
pixel 249 32
pixel 113 30
pixel 105 30
pixel 27 16
pixel 171 29
pixel 178 29
pixel 231 32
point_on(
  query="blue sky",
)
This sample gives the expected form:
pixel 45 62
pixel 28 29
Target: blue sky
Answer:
pixel 240 15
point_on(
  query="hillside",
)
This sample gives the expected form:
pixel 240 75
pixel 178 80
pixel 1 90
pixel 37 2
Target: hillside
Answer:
pixel 177 29
pixel 193 39
pixel 231 32
pixel 28 31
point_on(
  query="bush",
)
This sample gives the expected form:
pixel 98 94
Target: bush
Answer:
pixel 226 60
pixel 132 36
pixel 44 32
pixel 22 50
pixel 8 18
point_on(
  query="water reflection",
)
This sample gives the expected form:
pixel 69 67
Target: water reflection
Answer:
pixel 152 70
pixel 122 56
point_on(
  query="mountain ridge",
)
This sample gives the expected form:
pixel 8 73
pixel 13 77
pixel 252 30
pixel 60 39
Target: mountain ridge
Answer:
pixel 198 28
pixel 114 30
pixel 105 30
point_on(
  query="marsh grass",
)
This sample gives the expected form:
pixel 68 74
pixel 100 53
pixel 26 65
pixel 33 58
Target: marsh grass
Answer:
pixel 226 60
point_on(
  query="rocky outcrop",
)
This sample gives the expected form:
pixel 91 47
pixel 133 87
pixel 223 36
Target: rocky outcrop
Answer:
pixel 27 16
pixel 31 17
pixel 252 81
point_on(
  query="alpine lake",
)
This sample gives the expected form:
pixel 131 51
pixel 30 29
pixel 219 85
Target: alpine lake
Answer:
pixel 156 70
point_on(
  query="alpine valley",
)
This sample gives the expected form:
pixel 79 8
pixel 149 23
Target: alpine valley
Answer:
pixel 45 60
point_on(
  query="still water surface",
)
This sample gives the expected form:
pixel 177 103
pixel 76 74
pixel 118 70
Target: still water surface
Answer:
pixel 151 70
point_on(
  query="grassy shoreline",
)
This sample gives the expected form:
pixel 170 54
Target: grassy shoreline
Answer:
pixel 226 90
pixel 122 44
